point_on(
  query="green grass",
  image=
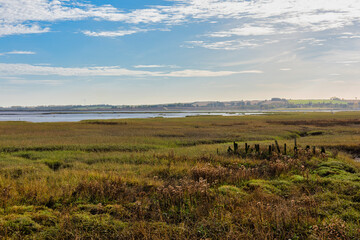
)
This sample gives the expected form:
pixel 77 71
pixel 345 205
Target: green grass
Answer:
pixel 173 178
pixel 317 101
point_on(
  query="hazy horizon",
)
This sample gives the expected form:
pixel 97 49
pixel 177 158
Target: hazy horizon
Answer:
pixel 140 52
pixel 168 103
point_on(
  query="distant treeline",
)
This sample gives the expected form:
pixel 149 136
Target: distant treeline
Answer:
pixel 274 103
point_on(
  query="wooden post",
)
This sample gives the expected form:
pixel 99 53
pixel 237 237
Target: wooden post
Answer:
pixel 277 146
pixel 246 148
pixel 257 148
pixel 322 149
pixel 284 148
pixel 314 150
pixel 235 147
pixel 295 146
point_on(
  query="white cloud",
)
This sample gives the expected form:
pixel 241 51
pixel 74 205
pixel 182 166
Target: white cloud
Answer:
pixel 150 66
pixel 271 17
pixel 307 14
pixel 145 16
pixel 349 35
pixel 18 53
pixel 7 69
pixel 24 16
pixel 246 30
pixel 227 45
pixel 11 29
pixel 118 33
pixel 21 52
pixel 347 62
pixel 204 73
pixel 312 41
pixel 285 69
pixel 27 69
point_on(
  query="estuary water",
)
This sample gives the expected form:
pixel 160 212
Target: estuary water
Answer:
pixel 74 116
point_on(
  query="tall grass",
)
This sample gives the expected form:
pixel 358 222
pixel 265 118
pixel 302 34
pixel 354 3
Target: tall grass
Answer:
pixel 173 179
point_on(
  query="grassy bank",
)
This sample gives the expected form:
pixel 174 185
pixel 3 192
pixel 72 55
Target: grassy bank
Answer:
pixel 174 179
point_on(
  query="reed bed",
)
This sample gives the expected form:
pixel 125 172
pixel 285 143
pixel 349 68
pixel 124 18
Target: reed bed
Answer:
pixel 175 179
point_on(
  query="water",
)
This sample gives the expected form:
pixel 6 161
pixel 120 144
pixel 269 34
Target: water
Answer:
pixel 68 116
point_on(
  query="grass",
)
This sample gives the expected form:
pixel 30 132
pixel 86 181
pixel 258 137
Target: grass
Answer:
pixel 173 178
pixel 317 101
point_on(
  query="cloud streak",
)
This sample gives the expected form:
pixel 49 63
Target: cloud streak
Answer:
pixel 117 33
pixel 7 69
pixel 229 44
pixel 155 66
pixel 246 30
pixel 18 53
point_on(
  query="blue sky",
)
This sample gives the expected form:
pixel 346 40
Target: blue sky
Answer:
pixel 56 52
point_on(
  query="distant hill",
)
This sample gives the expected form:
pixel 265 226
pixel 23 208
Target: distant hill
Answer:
pixel 273 104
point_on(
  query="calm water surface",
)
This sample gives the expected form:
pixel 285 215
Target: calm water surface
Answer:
pixel 64 116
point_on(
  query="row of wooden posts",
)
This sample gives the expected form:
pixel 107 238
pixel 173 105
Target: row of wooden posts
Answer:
pixel 272 148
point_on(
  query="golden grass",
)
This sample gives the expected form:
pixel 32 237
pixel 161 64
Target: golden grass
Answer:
pixel 173 178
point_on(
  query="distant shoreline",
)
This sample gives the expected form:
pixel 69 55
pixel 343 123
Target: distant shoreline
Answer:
pixel 230 111
pixel 77 116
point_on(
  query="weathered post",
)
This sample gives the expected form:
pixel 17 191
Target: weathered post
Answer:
pixel 277 146
pixel 246 148
pixel 257 148
pixel 235 147
pixel 314 150
pixel 284 148
pixel 322 149
pixel 295 145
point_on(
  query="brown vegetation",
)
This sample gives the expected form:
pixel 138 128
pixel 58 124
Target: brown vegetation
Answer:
pixel 140 180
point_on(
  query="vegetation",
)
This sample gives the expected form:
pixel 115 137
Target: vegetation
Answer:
pixel 318 101
pixel 174 178
pixel 274 103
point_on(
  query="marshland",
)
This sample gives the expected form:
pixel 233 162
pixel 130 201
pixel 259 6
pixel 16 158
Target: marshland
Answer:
pixel 176 178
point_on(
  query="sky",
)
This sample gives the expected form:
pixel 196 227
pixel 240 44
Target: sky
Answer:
pixel 62 52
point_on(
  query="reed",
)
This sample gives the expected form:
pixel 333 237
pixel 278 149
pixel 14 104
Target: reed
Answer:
pixel 174 179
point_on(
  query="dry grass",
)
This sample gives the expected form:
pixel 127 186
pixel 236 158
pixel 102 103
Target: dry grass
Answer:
pixel 173 179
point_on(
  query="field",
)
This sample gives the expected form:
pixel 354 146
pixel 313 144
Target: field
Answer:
pixel 175 178
pixel 317 101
